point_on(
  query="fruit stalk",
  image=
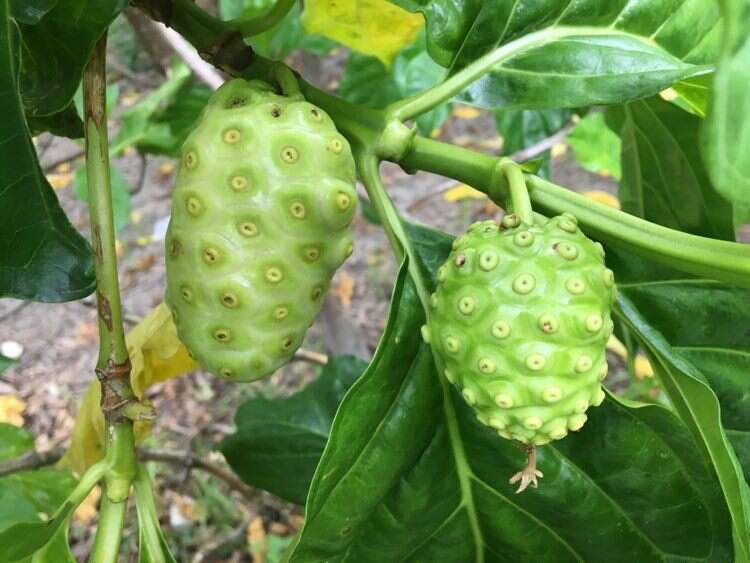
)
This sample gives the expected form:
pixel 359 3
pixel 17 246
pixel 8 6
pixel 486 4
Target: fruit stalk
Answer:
pixel 113 366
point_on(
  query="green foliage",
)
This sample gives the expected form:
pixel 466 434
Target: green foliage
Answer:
pixel 120 194
pixel 523 128
pixel 277 442
pixel 595 146
pixel 252 245
pixel 51 261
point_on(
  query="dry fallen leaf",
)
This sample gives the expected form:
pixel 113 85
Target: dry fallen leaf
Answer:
pixel 88 509
pixel 59 181
pixel 344 289
pixel 462 191
pixel 465 112
pixel 256 540
pixel 11 410
pixel 643 368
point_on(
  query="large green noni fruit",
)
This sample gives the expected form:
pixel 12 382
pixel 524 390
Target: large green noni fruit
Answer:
pixel 520 322
pixel 260 222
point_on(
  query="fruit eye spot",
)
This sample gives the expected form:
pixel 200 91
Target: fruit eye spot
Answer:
pixel 194 206
pixel 190 160
pixel 187 294
pixel 175 247
pixel 235 102
pixel 551 394
pixel 503 400
pixel 469 396
pixel 511 221
pixel 466 305
pixel 575 286
pixel 487 366
pixel 211 255
pixel 336 145
pixel 287 343
pixel 349 250
pixel 501 330
pixel 548 324
pixel 524 284
pixel 226 372
pixel 566 250
pixel 488 260
pixel 459 260
pixel 274 275
pixel 232 136
pixel 524 238
pixel 594 323
pixel 535 362
pixel 238 183
pixel 603 371
pixel 290 155
pixel 280 313
pixel 532 423
pixel 452 344
pixel 275 111
pixel 577 421
pixel 442 273
pixel 583 363
pixel 229 300
pixel 567 225
pixel 222 335
pixel 316 293
pixel 297 209
pixel 581 406
pixel 609 277
pixel 312 254
pixel 343 201
pixel 248 229
pixel 315 114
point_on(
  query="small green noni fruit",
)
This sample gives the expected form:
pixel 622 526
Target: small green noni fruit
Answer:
pixel 260 222
pixel 520 322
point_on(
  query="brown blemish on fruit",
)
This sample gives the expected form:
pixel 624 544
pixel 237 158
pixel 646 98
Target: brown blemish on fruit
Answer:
pixel 459 260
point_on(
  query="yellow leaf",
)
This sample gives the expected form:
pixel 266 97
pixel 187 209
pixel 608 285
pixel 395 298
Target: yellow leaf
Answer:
pixel 11 410
pixel 462 191
pixel 465 112
pixel 156 354
pixel 614 345
pixel 373 27
pixel 59 181
pixel 603 197
pixel 88 509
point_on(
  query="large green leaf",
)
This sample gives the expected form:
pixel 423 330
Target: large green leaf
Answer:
pixel 408 474
pixel 622 50
pixel 595 146
pixel 663 177
pixel 727 134
pixel 278 443
pixel 55 50
pixel 26 496
pixel 42 257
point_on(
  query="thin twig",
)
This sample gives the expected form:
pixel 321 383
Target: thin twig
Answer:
pixel 305 355
pixel 31 460
pixel 545 144
pixel 203 70
pixel 190 461
pixel 211 551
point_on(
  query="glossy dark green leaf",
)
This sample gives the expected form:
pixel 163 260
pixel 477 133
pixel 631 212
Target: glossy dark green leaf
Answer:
pixel 42 257
pixel 26 496
pixel 120 194
pixel 65 123
pixel 663 177
pixel 56 48
pixel 645 48
pixel 595 146
pixel 695 92
pixel 278 442
pixel 408 474
pixel 726 144
pixel 30 11
pixel 366 81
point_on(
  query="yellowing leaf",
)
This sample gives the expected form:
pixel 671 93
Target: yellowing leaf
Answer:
pixel 11 410
pixel 156 354
pixel 373 27
pixel 344 289
pixel 462 191
pixel 88 509
pixel 465 112
pixel 614 345
pixel 59 181
pixel 643 367
pixel 603 197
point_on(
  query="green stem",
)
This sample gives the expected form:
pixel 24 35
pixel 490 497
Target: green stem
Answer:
pixel 109 532
pixel 254 26
pixel 87 482
pixel 423 102
pixel 113 366
pixel 368 165
pixel 519 194
pixel 148 519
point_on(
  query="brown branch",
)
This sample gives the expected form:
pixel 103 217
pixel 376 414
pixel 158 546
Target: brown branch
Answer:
pixel 31 460
pixel 190 461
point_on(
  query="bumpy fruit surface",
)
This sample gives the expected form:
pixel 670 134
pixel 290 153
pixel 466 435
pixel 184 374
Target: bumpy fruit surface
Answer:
pixel 260 222
pixel 520 321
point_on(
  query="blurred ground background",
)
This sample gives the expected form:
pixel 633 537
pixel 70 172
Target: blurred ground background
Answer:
pixel 207 519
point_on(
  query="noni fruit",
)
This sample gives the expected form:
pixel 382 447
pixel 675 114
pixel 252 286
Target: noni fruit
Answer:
pixel 260 222
pixel 520 321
